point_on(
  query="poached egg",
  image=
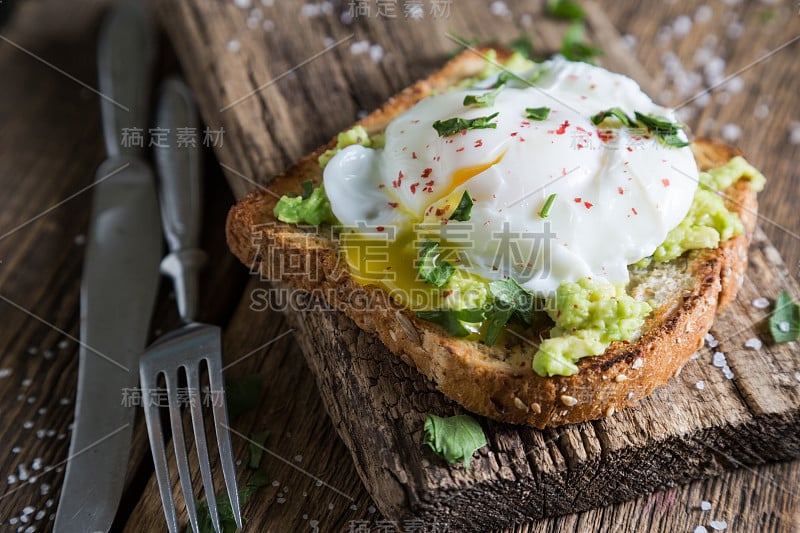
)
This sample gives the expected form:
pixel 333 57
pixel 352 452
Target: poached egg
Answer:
pixel 616 193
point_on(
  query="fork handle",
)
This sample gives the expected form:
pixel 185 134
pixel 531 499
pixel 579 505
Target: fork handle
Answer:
pixel 178 164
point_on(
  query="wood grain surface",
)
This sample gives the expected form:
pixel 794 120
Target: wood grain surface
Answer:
pixel 50 146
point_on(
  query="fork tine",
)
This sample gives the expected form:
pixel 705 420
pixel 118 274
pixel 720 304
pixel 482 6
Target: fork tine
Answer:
pixel 193 382
pixel 179 443
pixel 156 436
pixel 221 426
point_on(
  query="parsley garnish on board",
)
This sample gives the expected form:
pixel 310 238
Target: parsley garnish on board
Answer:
pixel 242 394
pixel 432 268
pixel 451 126
pixel 537 113
pixel 565 9
pixel 454 438
pixel 573 47
pixel 463 211
pixel 784 323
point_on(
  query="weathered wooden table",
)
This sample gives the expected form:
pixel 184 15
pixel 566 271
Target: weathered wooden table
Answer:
pixel 50 145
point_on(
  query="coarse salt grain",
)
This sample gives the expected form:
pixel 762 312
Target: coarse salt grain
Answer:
pixel 371 509
pixel 719 359
pixel 700 385
pixel 703 14
pixel 753 343
pixel 700 529
pixel 359 47
pixel 244 4
pixel 784 326
pixel 499 9
pixel 27 382
pixel 39 515
pixel 681 25
pixel 376 52
pixel 727 372
pixel 711 341
pixel 5 372
pixel 27 425
pixel 760 303
pixel 731 132
pixel 718 525
pixel 637 364
pixel 233 46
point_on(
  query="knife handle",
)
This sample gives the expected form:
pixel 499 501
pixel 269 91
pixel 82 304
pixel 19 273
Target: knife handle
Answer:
pixel 124 62
pixel 178 164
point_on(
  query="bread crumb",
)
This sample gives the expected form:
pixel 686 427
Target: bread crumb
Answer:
pixel 637 364
pixel 536 408
pixel 620 378
pixel 569 401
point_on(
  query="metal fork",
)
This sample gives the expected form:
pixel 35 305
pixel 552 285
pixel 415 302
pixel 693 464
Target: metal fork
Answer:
pixel 188 347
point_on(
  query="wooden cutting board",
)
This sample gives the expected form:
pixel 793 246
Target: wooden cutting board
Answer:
pixel 378 403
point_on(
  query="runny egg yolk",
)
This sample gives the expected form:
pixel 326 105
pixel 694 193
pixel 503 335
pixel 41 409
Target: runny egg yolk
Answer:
pixel 387 256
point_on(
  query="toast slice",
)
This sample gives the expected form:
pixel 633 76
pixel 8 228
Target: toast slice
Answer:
pixel 688 292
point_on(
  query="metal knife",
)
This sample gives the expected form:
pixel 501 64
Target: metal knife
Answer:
pixel 119 283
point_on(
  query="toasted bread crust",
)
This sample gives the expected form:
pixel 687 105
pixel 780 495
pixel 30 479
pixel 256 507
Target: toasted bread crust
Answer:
pixel 467 371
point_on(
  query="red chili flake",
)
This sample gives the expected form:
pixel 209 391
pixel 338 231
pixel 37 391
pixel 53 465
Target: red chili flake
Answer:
pixel 514 133
pixel 442 210
pixel 580 146
pixel 413 155
pixel 593 86
pixel 525 123
pixel 588 205
pixel 558 314
pixel 581 129
pixel 415 121
pixel 635 212
pixel 478 143
pixel 380 228
pixel 578 199
pixel 522 139
pixel 563 171
pixel 620 190
pixel 427 172
pixel 562 129
pixel 414 187
pixel 629 149
pixel 463 132
pixel 437 158
pixel 665 182
pixel 393 204
pixel 522 363
pixel 605 135
pixel 447 293
pixel 429 183
pixel 460 149
pixel 583 97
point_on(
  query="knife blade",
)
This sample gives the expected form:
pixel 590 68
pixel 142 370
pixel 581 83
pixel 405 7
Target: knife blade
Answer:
pixel 119 283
